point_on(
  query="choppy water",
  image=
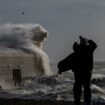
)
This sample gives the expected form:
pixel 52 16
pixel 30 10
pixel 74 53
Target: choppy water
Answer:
pixel 56 87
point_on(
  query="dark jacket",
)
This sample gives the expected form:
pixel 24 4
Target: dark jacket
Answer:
pixel 85 56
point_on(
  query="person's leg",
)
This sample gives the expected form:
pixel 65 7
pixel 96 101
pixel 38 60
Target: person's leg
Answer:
pixel 77 89
pixel 87 89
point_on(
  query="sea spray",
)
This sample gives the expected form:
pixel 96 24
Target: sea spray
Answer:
pixel 28 38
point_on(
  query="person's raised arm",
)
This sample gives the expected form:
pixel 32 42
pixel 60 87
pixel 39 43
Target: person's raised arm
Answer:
pixel 92 44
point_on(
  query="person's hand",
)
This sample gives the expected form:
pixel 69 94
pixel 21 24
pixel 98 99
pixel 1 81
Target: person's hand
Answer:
pixel 83 41
pixel 80 37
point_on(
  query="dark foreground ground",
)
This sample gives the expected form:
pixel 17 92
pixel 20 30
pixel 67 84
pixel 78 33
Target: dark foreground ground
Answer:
pixel 14 101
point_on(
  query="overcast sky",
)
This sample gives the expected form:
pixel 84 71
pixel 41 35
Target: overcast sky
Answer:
pixel 64 19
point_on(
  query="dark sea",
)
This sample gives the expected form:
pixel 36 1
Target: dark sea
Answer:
pixel 55 87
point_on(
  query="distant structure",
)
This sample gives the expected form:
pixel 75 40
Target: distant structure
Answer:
pixel 27 39
pixel 17 66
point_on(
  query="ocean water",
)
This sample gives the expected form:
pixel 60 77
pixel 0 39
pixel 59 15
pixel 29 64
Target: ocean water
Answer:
pixel 55 87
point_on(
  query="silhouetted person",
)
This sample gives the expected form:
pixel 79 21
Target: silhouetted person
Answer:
pixel 83 70
pixel 81 63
